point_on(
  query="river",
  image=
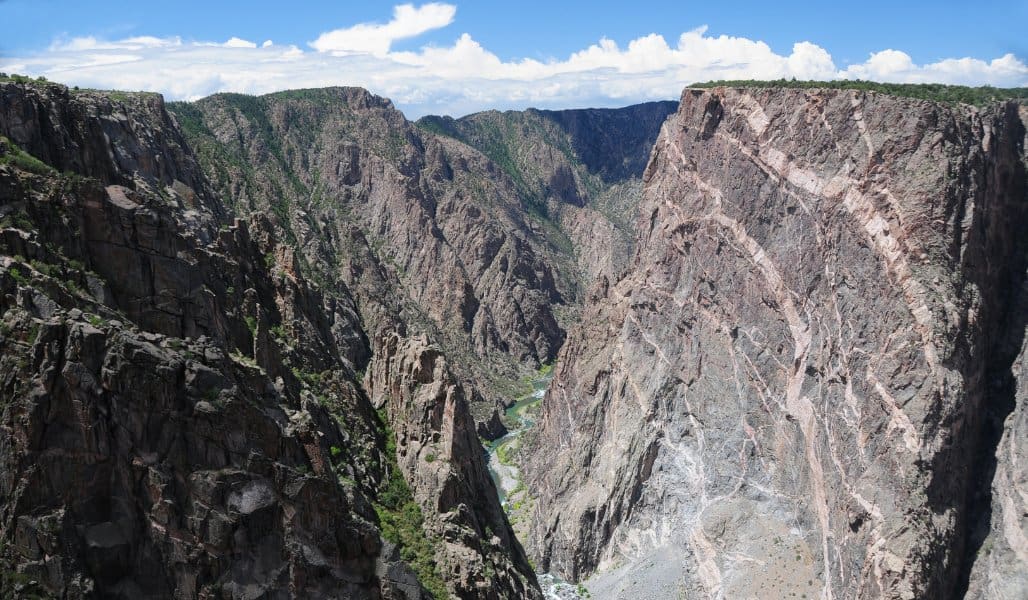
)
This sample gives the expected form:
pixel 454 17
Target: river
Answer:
pixel 503 457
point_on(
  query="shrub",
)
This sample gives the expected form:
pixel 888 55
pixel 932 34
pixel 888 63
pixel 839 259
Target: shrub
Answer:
pixel 402 522
pixel 251 324
pixel 17 275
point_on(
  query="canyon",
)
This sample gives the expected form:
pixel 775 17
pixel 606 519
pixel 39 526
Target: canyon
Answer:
pixel 253 347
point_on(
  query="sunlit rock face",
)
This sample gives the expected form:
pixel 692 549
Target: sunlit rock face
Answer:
pixel 790 389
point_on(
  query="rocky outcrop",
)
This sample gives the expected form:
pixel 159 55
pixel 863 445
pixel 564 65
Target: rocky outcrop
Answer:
pixel 441 457
pixel 182 406
pixel 787 390
pixel 123 139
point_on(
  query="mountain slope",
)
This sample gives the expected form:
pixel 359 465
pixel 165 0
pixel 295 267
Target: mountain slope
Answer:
pixel 581 169
pixel 187 413
pixel 348 178
pixel 468 254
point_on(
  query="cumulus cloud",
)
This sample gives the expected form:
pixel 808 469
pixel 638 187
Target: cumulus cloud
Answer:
pixel 408 21
pixel 464 76
pixel 234 42
pixel 897 67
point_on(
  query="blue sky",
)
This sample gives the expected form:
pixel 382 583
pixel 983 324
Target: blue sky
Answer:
pixel 458 57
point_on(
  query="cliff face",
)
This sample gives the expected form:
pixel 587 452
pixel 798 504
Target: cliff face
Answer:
pixel 789 390
pixel 182 407
pixel 582 169
pixel 1000 533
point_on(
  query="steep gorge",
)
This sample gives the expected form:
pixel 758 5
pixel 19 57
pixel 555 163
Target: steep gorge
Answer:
pixel 469 249
pixel 284 310
pixel 250 345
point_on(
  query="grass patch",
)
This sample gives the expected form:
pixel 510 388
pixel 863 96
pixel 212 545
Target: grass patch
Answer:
pixel 18 276
pixel 17 219
pixel 243 359
pixel 11 154
pixel 251 324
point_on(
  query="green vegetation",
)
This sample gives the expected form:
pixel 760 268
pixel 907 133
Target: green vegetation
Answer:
pixel 251 324
pixel 44 268
pixel 279 333
pixel 34 332
pixel 17 275
pixel 312 380
pixel 505 452
pixel 527 384
pixel 16 78
pixel 243 359
pixel 17 219
pixel 402 522
pixel 445 126
pixel 11 154
pixel 924 91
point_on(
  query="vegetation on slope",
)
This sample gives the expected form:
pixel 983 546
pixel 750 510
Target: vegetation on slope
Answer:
pixel 937 92
pixel 11 154
pixel 402 522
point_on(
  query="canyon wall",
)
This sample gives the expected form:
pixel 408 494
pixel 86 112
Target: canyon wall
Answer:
pixel 249 344
pixel 790 389
pixel 188 411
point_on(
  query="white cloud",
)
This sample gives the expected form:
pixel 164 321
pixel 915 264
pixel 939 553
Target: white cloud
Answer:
pixel 369 38
pixel 897 67
pixel 465 76
pixel 132 43
pixel 234 42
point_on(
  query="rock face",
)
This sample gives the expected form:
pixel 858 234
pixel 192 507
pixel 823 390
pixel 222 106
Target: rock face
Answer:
pixel 183 412
pixel 1001 536
pixel 582 169
pixel 1001 568
pixel 788 391
pixel 346 176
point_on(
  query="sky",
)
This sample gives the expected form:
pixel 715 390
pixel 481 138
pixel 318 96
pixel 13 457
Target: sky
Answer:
pixel 460 57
